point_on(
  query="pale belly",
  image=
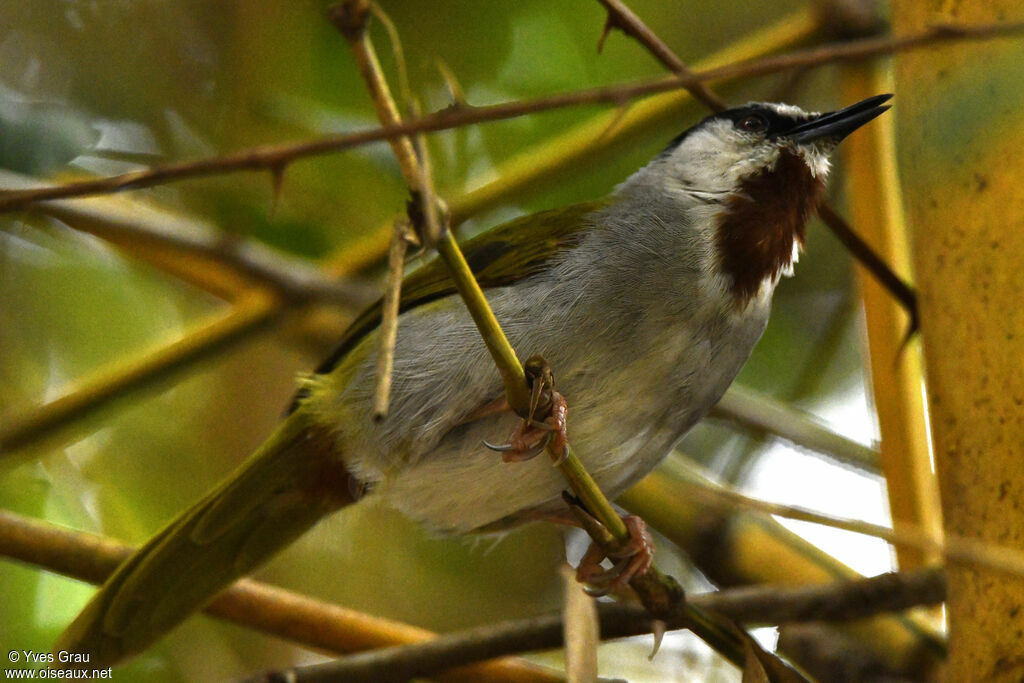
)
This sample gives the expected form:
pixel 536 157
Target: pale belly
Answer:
pixel 628 406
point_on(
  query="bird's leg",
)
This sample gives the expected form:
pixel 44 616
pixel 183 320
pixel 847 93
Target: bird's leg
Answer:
pixel 631 559
pixel 533 435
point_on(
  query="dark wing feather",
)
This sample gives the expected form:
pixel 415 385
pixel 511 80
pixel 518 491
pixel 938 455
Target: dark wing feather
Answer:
pixel 498 257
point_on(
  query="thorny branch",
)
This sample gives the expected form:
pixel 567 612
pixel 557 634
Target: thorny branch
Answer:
pixel 621 17
pixel 660 594
pixel 276 157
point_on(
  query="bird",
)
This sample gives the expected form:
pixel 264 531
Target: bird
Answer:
pixel 645 305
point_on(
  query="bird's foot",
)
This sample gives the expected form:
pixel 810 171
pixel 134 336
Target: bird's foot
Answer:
pixel 633 559
pixel 531 437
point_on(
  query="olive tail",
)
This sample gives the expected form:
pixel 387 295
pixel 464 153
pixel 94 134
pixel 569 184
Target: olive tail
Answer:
pixel 293 480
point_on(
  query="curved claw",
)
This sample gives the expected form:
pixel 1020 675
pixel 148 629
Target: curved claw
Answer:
pixel 521 455
pixel 512 453
pixel 633 559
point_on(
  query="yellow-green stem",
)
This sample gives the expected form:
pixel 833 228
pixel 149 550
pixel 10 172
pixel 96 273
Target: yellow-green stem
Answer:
pixel 517 391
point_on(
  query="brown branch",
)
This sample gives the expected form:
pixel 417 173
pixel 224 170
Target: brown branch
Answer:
pixel 843 600
pixel 866 256
pixel 659 593
pixel 620 16
pixel 187 248
pixel 319 625
pixel 279 156
pixel 259 606
pixel 350 18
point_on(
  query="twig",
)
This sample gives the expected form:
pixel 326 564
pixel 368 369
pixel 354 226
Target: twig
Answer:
pixel 763 413
pixel 867 257
pixel 175 244
pixel 620 16
pixel 400 238
pixel 269 609
pixel 279 156
pixel 953 549
pixel 660 594
pixel 842 600
pixel 350 18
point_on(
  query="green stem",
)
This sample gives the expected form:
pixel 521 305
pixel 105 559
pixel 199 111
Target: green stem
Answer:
pixel 517 390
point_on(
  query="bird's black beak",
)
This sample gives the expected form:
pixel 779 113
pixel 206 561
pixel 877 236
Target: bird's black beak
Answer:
pixel 836 125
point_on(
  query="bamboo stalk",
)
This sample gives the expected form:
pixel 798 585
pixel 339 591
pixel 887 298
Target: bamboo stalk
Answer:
pixel 960 133
pixel 872 189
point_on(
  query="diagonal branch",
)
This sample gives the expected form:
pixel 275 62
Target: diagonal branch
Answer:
pixel 842 600
pixel 956 550
pixel 194 250
pixel 323 626
pixel 623 18
pixel 661 595
pixel 276 157
pixel 620 16
pixel 764 414
pixel 275 611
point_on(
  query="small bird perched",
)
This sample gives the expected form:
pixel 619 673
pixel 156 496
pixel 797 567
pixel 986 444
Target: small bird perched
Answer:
pixel 646 304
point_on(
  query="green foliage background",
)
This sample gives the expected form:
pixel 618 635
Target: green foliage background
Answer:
pixel 104 87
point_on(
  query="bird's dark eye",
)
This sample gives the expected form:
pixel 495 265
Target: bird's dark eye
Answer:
pixel 752 123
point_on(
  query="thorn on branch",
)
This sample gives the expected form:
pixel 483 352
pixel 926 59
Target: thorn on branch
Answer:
pixel 612 21
pixel 451 82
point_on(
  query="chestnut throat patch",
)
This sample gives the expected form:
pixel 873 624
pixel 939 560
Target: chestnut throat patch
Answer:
pixel 759 224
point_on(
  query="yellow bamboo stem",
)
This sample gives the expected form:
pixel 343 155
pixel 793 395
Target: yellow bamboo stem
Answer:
pixel 738 547
pixel 960 132
pixel 874 204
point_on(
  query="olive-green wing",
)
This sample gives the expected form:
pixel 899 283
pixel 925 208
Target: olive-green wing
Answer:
pixel 292 481
pixel 499 257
